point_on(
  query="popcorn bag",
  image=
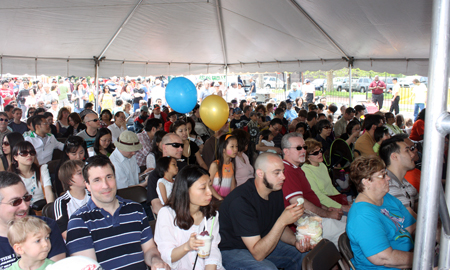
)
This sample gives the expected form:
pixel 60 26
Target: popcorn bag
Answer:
pixel 309 226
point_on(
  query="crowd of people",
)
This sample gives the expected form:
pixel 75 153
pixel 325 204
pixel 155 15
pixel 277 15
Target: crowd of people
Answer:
pixel 57 148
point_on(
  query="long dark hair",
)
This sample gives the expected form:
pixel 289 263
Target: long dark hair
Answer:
pixel 157 139
pixel 421 115
pixel 102 132
pixel 13 139
pixel 14 167
pixel 71 145
pixel 179 199
pixel 162 165
pixel 192 122
pixel 223 143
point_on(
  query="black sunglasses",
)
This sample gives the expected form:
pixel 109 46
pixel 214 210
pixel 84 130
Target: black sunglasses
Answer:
pixel 316 152
pixel 175 145
pixel 19 201
pixel 6 143
pixel 3 120
pixel 94 120
pixel 300 147
pixel 27 152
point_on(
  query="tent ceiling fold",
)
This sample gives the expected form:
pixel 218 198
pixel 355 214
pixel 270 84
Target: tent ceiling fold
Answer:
pixel 184 37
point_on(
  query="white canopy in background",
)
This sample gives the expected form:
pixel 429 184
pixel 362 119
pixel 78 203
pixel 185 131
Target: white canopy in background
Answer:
pixel 61 37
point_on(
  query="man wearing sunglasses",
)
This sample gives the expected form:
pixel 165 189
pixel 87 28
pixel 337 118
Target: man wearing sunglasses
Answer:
pixel 15 204
pixel 399 159
pixel 43 141
pixel 172 146
pixel 296 186
pixel 92 125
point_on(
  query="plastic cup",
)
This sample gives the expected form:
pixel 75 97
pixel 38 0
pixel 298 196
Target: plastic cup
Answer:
pixel 203 251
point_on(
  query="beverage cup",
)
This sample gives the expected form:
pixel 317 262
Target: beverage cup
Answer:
pixel 203 251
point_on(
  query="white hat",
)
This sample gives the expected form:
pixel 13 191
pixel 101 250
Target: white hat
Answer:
pixel 128 141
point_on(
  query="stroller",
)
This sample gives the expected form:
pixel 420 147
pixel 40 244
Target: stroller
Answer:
pixel 338 160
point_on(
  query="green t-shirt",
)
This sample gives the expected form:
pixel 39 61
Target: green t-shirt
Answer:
pixel 376 148
pixel 15 266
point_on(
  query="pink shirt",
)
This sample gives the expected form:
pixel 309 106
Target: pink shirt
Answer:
pixel 375 84
pixel 244 170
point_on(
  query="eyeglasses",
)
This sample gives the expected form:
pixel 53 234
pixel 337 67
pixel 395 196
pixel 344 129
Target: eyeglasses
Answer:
pixel 300 147
pixel 19 201
pixel 5 143
pixel 27 152
pixel 3 120
pixel 382 175
pixel 316 152
pixel 175 145
pixel 93 120
pixel 326 127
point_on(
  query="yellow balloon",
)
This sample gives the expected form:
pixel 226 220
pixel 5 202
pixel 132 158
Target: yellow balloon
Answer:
pixel 214 112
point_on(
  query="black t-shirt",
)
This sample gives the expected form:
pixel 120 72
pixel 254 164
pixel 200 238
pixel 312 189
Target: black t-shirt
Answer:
pixel 277 140
pixel 138 91
pixel 244 121
pixel 244 213
pixel 191 159
pixel 253 86
pixel 236 124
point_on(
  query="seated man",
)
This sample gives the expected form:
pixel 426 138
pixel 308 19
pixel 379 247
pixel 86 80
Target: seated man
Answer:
pixel 399 159
pixel 172 146
pixel 43 141
pixel 109 229
pixel 124 160
pixel 297 186
pixel 15 204
pixel 253 222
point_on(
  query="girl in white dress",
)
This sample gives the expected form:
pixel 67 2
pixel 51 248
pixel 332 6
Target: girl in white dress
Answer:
pixel 166 169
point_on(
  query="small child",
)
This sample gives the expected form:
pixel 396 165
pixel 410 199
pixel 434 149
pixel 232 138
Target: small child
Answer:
pixel 166 169
pixel 380 134
pixel 171 117
pixel 236 122
pixel 266 138
pixel 30 239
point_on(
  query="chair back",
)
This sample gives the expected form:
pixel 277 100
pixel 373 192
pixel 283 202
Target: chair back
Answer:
pixel 346 249
pixel 323 257
pixel 47 211
pixel 134 193
pixel 152 224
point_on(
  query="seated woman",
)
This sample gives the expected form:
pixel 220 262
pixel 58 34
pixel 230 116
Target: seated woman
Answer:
pixel 105 118
pixel 75 125
pixel 74 149
pixel 76 196
pixel 379 226
pixel 352 132
pixel 193 136
pixel 36 178
pixel 62 123
pixel 156 151
pixel 323 135
pixel 119 125
pixel 244 169
pixel 317 174
pixel 9 141
pixel 188 213
pixel 102 144
pixel 418 129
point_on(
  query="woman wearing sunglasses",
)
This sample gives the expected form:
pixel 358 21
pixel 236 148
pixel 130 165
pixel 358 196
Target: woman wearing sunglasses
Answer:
pixel 324 131
pixel 36 178
pixel 317 174
pixel 9 141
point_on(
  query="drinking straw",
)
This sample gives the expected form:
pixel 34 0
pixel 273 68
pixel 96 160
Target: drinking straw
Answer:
pixel 212 225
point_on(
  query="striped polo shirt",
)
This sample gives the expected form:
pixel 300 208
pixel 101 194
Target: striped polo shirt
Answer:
pixel 117 238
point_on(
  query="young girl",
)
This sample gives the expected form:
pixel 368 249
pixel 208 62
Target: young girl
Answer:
pixel 36 178
pixel 266 140
pixel 189 212
pixel 166 169
pixel 221 171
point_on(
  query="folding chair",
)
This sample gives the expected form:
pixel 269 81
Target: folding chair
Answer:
pixel 47 211
pixel 346 250
pixel 323 257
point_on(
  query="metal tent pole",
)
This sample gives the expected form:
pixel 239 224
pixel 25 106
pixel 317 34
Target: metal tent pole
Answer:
pixel 96 89
pixel 434 138
pixel 444 259
pixel 350 85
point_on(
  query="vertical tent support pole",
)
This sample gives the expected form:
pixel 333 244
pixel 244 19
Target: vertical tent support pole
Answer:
pixel 350 84
pixel 434 138
pixel 97 63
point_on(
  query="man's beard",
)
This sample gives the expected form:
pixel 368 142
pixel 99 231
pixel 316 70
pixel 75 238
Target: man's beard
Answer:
pixel 267 184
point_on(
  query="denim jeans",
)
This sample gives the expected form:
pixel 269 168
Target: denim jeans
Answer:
pixel 283 256
pixel 417 108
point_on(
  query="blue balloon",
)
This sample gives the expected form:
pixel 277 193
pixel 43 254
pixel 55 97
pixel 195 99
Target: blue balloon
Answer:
pixel 181 95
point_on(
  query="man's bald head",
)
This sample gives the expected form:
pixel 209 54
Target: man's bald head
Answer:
pixel 264 159
pixel 168 148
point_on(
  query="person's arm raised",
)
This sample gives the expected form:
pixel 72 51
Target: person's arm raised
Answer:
pixel 259 247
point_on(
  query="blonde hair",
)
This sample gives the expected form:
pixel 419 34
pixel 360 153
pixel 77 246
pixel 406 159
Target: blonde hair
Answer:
pixel 19 229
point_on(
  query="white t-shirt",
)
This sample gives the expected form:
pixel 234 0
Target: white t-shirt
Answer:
pixel 309 89
pixel 74 204
pixel 167 184
pixel 420 93
pixel 36 189
pixel 270 144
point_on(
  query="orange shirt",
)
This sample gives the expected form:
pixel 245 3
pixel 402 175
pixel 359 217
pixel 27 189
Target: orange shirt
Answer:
pixel 413 177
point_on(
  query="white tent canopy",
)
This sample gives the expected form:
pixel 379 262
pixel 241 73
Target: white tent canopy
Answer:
pixel 154 37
